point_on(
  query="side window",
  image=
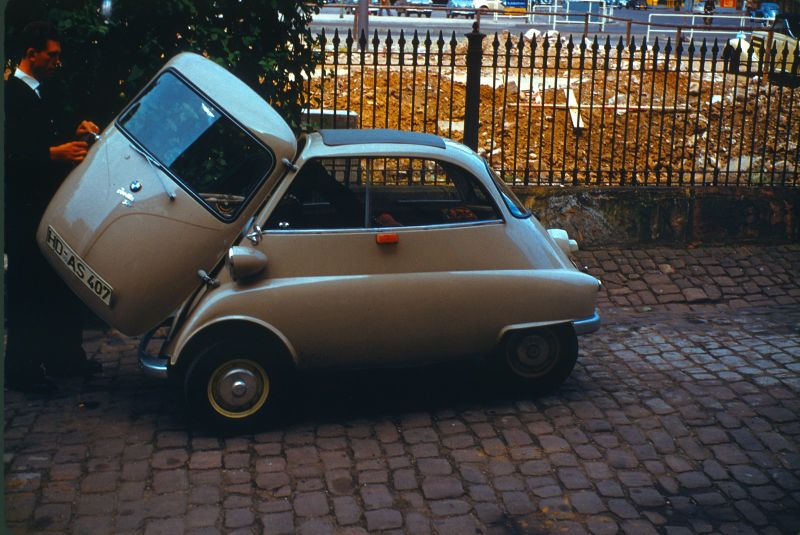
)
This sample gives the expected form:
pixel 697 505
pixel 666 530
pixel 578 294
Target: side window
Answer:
pixel 325 194
pixel 421 192
pixel 352 193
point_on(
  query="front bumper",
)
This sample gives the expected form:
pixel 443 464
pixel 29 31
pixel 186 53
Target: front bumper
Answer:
pixel 587 325
pixel 152 365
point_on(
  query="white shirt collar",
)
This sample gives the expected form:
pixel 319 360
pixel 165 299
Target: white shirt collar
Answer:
pixel 32 82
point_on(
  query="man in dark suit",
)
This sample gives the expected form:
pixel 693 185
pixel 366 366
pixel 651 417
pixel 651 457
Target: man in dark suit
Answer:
pixel 45 330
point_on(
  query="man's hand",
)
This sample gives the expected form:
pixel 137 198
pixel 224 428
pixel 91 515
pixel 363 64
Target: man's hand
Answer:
pixel 74 151
pixel 86 127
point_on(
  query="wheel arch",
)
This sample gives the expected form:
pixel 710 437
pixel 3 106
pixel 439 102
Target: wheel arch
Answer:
pixel 260 334
pixel 554 355
pixel 520 327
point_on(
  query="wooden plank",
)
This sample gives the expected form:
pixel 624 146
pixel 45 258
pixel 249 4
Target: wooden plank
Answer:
pixel 574 114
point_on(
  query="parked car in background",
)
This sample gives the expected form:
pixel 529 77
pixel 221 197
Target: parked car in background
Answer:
pixel 414 7
pixel 699 7
pixel 467 8
pixel 352 6
pixel 785 41
pixel 259 254
pixel 461 8
pixel 767 10
pixel 493 5
pixel 636 4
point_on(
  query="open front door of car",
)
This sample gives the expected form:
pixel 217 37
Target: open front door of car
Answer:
pixel 162 195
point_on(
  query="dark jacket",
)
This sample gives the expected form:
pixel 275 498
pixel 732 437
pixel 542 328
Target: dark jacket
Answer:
pixel 31 177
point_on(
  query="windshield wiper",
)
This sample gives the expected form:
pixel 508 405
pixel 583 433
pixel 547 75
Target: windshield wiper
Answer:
pixel 157 165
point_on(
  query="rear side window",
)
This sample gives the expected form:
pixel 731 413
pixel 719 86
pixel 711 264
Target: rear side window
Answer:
pixel 422 192
pixel 353 193
pixel 513 203
pixel 788 24
pixel 205 151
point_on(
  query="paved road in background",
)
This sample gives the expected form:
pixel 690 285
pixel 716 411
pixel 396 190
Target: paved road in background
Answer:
pixel 682 416
pixel 330 19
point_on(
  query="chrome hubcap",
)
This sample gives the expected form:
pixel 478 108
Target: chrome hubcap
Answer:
pixel 533 351
pixel 238 388
pixel 534 354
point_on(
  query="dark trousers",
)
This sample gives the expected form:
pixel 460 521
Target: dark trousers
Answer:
pixel 44 318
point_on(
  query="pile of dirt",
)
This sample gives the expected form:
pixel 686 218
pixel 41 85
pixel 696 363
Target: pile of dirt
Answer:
pixel 626 117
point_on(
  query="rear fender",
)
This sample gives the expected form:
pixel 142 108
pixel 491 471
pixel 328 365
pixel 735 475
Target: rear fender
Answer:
pixel 525 326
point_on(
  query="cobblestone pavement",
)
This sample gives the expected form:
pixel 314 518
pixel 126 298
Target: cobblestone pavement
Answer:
pixel 682 416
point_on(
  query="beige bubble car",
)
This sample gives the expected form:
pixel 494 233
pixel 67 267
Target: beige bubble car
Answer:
pixel 199 214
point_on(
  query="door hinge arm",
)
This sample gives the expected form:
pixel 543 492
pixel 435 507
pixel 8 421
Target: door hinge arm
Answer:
pixel 208 279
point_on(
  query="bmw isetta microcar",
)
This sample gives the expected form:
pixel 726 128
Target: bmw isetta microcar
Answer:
pixel 199 213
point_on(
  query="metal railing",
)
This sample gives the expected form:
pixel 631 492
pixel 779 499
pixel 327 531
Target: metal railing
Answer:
pixel 555 111
pixel 696 24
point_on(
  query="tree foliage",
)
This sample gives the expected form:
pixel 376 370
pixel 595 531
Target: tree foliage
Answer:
pixel 109 56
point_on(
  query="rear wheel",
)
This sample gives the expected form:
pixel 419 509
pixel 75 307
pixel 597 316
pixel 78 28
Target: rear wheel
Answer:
pixel 230 388
pixel 539 359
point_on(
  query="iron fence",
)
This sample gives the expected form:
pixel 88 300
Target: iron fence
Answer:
pixel 545 110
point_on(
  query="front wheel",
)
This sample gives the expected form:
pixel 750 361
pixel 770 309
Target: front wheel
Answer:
pixel 229 389
pixel 539 359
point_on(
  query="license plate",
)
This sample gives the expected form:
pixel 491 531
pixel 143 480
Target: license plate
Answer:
pixel 79 268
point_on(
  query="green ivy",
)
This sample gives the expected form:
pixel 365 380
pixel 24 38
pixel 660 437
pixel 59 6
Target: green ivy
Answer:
pixel 266 43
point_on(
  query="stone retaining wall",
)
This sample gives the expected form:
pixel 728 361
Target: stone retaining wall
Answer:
pixel 642 216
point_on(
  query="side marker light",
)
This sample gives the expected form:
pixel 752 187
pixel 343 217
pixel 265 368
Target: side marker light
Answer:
pixel 385 238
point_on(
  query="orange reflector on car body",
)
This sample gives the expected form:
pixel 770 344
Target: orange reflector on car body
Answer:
pixel 384 238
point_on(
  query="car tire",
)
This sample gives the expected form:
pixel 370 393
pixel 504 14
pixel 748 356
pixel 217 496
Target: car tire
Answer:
pixel 230 388
pixel 538 360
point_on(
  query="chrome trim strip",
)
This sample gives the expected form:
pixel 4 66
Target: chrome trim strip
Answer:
pixel 151 365
pixel 372 230
pixel 587 325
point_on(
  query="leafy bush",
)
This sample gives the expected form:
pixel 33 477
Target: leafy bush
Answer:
pixel 108 59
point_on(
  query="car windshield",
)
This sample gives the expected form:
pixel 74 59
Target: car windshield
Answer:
pixel 203 150
pixel 513 203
